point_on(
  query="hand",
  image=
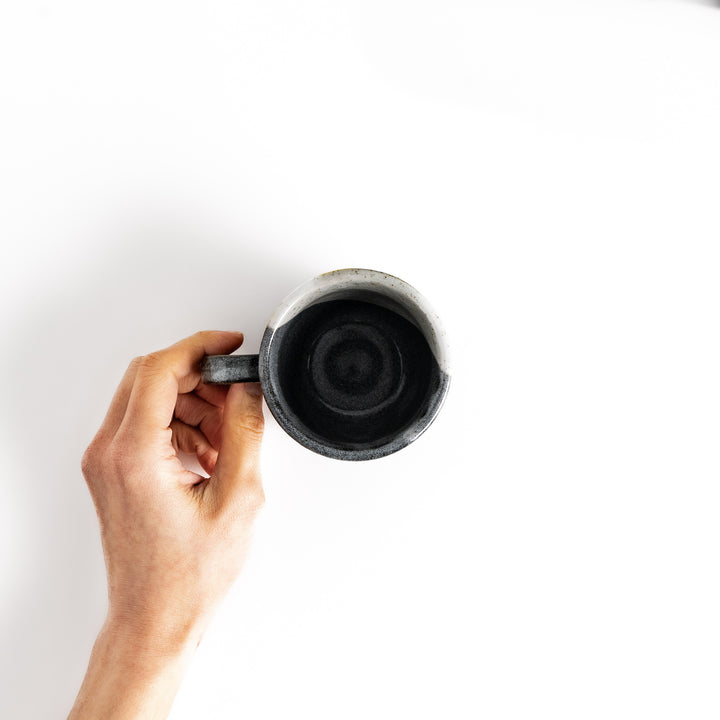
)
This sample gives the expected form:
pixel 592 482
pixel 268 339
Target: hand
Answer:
pixel 174 541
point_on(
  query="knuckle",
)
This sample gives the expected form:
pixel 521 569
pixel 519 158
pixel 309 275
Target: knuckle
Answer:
pixel 151 361
pixel 252 424
pixel 88 462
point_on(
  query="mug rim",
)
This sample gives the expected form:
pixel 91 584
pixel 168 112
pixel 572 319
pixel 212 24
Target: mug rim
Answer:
pixel 348 279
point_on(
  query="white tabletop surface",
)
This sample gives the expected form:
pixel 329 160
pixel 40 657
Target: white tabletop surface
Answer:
pixel 546 174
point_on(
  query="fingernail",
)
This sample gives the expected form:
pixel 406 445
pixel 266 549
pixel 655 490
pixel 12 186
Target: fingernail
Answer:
pixel 253 389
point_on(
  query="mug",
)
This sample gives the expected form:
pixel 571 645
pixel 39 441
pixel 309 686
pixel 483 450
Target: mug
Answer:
pixel 353 364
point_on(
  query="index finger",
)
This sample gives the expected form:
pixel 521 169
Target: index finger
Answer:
pixel 163 374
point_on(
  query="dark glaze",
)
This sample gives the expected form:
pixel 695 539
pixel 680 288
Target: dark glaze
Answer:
pixel 354 373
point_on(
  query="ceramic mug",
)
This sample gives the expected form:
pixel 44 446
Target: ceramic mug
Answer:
pixel 353 364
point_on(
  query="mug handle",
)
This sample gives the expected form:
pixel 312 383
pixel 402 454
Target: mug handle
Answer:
pixel 226 369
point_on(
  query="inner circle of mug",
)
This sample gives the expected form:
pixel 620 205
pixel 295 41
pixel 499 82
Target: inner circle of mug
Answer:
pixel 375 407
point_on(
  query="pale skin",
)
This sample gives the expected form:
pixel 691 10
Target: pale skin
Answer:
pixel 174 541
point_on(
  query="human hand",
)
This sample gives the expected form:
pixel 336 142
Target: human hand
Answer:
pixel 174 541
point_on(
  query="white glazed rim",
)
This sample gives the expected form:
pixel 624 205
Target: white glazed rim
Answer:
pixel 331 284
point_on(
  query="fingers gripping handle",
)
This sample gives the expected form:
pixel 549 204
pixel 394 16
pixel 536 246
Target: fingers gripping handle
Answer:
pixel 226 369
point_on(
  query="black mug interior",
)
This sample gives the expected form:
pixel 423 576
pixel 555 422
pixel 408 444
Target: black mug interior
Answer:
pixel 354 370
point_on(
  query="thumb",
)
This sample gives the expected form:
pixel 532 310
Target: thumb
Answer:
pixel 237 472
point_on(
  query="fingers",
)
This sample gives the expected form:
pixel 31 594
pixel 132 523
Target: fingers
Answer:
pixel 190 440
pixel 195 411
pixel 214 394
pixel 237 473
pixel 162 375
pixel 118 405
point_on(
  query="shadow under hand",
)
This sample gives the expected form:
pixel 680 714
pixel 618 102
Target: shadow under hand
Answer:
pixel 154 285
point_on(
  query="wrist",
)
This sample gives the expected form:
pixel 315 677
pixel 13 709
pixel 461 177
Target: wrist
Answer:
pixel 149 638
pixel 133 672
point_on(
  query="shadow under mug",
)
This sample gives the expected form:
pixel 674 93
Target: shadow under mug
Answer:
pixel 353 364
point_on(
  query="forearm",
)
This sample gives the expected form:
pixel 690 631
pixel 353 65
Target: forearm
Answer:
pixel 131 677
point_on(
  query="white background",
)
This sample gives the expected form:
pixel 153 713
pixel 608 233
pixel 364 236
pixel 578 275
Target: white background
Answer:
pixel 546 173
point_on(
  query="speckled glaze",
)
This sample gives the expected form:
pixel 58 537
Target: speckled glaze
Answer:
pixel 373 286
pixel 402 297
